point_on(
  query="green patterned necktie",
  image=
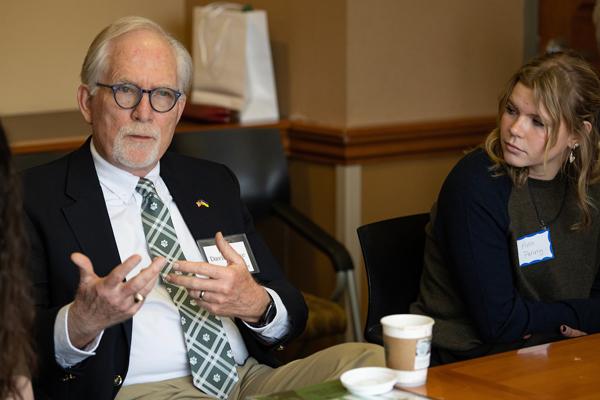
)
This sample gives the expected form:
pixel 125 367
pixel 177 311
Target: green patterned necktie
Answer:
pixel 209 353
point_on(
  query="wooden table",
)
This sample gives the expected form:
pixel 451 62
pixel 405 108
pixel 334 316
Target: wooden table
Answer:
pixel 569 369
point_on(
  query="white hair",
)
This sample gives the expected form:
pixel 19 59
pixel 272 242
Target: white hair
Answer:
pixel 94 63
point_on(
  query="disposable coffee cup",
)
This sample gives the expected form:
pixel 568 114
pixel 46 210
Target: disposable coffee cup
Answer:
pixel 407 342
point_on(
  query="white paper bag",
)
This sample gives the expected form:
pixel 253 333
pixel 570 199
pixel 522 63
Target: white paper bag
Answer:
pixel 232 61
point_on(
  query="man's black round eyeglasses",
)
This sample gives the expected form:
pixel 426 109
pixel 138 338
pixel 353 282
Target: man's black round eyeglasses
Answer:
pixel 128 96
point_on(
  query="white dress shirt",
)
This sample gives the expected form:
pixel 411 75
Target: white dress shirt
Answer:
pixel 157 348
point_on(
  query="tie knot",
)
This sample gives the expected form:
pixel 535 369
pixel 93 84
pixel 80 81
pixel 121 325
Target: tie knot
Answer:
pixel 145 187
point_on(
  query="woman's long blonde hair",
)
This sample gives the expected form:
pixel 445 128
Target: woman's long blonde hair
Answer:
pixel 568 89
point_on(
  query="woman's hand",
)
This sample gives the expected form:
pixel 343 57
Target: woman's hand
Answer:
pixel 569 332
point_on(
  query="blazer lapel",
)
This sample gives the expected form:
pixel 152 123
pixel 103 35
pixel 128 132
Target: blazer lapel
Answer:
pixel 88 217
pixel 201 224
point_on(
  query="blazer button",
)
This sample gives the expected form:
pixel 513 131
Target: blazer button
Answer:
pixel 68 377
pixel 118 380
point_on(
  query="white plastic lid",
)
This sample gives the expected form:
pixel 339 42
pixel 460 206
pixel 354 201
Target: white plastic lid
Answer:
pixel 369 380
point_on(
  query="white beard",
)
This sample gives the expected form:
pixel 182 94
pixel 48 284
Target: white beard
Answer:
pixel 136 155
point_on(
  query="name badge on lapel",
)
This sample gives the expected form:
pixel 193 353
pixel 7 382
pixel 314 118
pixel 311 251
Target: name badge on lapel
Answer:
pixel 240 244
pixel 535 248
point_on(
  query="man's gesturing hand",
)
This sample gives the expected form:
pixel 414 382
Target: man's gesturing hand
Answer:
pixel 230 291
pixel 103 302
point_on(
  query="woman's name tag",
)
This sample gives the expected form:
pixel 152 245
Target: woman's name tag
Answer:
pixel 535 248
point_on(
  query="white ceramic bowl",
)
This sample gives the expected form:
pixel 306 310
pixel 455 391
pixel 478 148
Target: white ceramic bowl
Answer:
pixel 369 381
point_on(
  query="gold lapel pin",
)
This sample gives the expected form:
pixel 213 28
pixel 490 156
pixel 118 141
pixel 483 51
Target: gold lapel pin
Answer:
pixel 201 203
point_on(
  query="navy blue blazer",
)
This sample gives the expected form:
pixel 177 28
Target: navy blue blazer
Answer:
pixel 65 212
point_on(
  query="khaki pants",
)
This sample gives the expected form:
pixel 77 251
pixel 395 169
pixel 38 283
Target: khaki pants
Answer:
pixel 257 379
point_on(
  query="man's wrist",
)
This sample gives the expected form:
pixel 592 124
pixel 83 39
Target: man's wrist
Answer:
pixel 267 317
pixel 78 335
pixel 65 353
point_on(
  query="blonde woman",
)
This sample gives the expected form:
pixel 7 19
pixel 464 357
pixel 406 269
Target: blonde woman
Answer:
pixel 512 253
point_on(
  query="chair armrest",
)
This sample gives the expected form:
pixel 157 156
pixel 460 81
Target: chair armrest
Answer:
pixel 314 234
pixel 334 250
pixel 337 253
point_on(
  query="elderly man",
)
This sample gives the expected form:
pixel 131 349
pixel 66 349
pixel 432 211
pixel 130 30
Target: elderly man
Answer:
pixel 126 307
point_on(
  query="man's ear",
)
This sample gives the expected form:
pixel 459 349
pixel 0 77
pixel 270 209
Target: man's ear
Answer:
pixel 84 99
pixel 180 106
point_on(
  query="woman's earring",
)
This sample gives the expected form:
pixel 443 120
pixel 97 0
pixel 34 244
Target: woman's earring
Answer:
pixel 572 153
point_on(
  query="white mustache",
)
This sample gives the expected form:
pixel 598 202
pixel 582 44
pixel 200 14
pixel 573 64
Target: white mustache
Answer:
pixel 139 129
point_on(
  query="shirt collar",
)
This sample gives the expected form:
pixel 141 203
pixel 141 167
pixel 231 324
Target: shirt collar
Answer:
pixel 118 181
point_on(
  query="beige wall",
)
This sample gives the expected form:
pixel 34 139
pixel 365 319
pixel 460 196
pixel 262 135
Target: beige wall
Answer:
pixel 43 44
pixel 339 62
pixel 423 60
pixel 349 63
pixel 405 186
